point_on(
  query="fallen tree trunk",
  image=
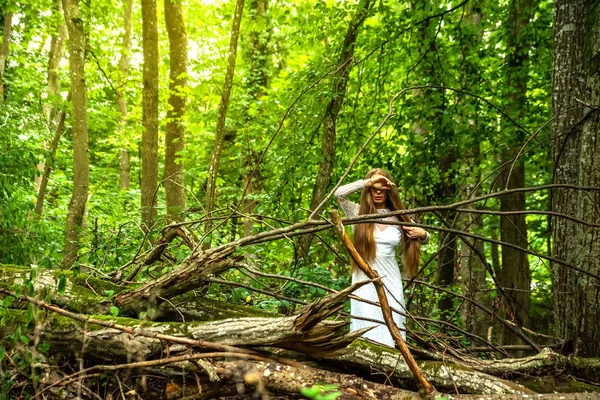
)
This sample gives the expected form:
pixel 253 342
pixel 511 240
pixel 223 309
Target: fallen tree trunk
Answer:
pixel 446 376
pixel 473 375
pixel 307 332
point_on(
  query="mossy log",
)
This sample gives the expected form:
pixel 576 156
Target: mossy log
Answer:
pixel 66 336
pixel 367 357
pixel 90 295
pixel 474 375
pixel 308 332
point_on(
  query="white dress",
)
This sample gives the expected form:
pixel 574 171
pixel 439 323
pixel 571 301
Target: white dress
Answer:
pixel 387 238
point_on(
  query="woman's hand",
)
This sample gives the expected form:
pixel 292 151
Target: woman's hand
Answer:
pixel 379 180
pixel 415 232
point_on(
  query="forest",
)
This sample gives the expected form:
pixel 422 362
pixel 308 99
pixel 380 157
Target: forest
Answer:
pixel 168 227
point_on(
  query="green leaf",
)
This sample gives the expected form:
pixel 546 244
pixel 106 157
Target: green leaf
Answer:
pixel 62 284
pixel 44 347
pixel 114 311
pixel 310 392
pixel 29 314
pixel 2 353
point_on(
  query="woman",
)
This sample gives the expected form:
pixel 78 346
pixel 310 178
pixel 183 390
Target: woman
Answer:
pixel 377 243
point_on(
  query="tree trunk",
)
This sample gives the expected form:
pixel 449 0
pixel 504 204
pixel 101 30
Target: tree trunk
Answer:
pixel 447 253
pixel 178 59
pixel 338 89
pixel 4 50
pixel 473 271
pixel 258 56
pixel 57 49
pixel 474 286
pixel 78 201
pixel 288 381
pixel 324 338
pixel 569 60
pixel 124 164
pixel 213 169
pixel 585 291
pixel 149 184
pixel 49 162
pixel 515 276
pixel 332 110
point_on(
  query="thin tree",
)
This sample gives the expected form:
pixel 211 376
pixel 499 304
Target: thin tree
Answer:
pixel 54 115
pixel 515 276
pixel 4 50
pixel 149 150
pixel 213 169
pixel 339 83
pixel 124 162
pixel 178 59
pixel 80 134
pixel 257 54
pixel 473 271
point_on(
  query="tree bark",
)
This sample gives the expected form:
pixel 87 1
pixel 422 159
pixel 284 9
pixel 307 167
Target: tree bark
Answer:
pixel 57 49
pixel 4 50
pixel 324 338
pixel 568 85
pixel 149 149
pixel 286 380
pixel 49 162
pixel 77 205
pixel 515 276
pixel 213 169
pixel 473 282
pixel 447 252
pixel 444 374
pixel 178 59
pixel 124 164
pixel 586 290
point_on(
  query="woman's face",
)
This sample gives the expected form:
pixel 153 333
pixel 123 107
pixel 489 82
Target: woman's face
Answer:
pixel 379 194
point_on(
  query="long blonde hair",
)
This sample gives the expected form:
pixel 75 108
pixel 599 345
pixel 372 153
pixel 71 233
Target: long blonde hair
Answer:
pixel 363 233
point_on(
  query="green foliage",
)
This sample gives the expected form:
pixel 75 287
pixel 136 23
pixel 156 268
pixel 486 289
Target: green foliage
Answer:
pixel 20 355
pixel 114 311
pixel 321 392
pixel 441 144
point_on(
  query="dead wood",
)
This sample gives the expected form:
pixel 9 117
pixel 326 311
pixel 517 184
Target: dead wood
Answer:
pixel 169 234
pixel 192 274
pixel 307 332
pixel 471 375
